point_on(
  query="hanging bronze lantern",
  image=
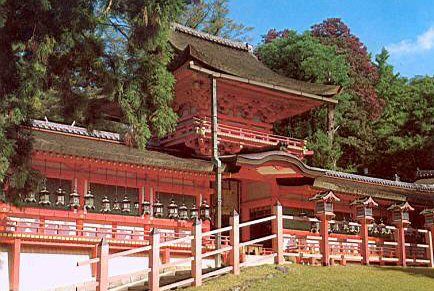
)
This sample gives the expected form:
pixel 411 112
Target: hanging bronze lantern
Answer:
pixel 345 225
pixel 205 211
pixel 173 210
pixel 193 212
pixel 136 207
pixel 74 199
pixel 158 209
pixel 146 208
pixel 183 212
pixel 30 197
pixel 105 205
pixel 89 202
pixel 116 205
pixel 126 205
pixel 44 196
pixel 60 197
pixel 313 227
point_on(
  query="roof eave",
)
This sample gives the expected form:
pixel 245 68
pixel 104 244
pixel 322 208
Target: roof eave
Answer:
pixel 215 74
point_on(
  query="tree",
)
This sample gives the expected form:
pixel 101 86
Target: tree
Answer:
pixel 211 16
pixel 405 129
pixel 305 58
pixel 333 31
pixel 57 59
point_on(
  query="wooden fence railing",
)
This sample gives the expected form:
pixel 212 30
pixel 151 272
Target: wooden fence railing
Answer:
pixel 303 246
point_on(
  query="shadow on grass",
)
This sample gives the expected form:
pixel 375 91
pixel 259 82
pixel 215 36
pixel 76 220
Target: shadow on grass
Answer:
pixel 415 271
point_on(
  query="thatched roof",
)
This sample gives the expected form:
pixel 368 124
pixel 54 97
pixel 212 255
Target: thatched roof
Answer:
pixel 77 141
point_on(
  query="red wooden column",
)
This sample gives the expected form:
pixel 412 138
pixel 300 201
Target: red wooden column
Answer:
pixel 324 244
pixel 365 240
pixel 277 229
pixel 196 249
pixel 154 261
pixel 102 265
pixel 14 256
pixel 429 239
pixel 93 255
pixel 400 248
pixel 234 237
pixel 429 242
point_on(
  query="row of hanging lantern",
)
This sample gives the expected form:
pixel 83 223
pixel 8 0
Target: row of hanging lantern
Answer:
pixel 344 227
pixel 181 212
pixel 177 212
pixel 379 229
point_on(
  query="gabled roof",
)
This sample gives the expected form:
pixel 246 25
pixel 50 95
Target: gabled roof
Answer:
pixel 237 59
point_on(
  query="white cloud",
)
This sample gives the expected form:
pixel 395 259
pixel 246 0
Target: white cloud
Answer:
pixel 424 42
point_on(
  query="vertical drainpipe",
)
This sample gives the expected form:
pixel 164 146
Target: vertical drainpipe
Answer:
pixel 217 165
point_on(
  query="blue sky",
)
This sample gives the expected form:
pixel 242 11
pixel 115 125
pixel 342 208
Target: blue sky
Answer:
pixel 405 27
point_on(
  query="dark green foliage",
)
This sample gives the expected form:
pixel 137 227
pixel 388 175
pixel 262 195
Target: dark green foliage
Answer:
pixel 63 59
pixel 405 131
pixel 305 58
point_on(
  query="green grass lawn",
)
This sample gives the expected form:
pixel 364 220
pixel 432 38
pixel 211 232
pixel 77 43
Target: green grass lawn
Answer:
pixel 298 277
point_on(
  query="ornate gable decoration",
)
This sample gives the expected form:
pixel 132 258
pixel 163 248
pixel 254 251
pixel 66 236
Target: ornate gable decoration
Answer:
pixel 327 196
pixel 366 202
pixel 403 207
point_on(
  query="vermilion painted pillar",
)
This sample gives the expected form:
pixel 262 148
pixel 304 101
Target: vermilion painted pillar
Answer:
pixel 165 255
pixel 102 265
pixel 245 216
pixel 14 256
pixel 41 228
pixel 400 248
pixel 196 249
pixel 81 189
pixel 324 244
pixel 234 237
pixel 365 240
pixel 93 267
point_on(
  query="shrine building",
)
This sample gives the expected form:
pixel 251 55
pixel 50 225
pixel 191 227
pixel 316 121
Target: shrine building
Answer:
pixel 94 185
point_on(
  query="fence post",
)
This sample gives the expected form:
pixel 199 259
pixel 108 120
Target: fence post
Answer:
pixel 324 244
pixel 154 261
pixel 400 248
pixel 429 242
pixel 102 265
pixel 196 264
pixel 234 237
pixel 365 240
pixel 277 228
pixel 14 257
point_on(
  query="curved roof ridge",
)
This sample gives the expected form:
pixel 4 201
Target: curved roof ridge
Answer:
pixel 217 39
pixel 335 174
pixel 385 182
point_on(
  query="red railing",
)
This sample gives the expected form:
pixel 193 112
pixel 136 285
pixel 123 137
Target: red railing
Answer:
pixel 228 133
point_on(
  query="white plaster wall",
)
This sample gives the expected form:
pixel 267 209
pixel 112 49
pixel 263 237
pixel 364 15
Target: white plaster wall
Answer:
pixel 47 271
pixel 4 271
pixel 125 265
